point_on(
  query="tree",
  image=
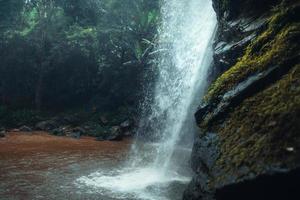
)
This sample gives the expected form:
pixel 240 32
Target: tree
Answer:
pixel 64 53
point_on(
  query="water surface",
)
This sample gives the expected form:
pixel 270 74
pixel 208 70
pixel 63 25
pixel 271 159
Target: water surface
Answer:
pixel 40 166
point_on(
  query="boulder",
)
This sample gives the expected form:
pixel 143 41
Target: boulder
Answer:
pixel 61 131
pixel 128 133
pixel 69 131
pixel 76 132
pixel 103 120
pixel 70 120
pixel 25 129
pixel 79 130
pixel 87 129
pixel 46 125
pixel 2 133
pixel 75 135
pixel 126 126
pixel 115 134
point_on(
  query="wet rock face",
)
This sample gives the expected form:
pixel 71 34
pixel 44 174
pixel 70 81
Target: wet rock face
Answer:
pixel 257 82
pixel 232 9
pixel 249 145
pixel 238 27
pixel 204 156
pixel 233 37
pixel 205 152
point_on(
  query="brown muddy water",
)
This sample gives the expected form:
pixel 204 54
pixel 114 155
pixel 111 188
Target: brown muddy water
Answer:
pixel 37 166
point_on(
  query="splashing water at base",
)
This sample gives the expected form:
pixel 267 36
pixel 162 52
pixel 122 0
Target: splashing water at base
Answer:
pixel 141 183
pixel 137 182
pixel 159 171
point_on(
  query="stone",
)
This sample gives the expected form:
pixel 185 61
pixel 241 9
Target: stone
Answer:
pixel 115 134
pixel 61 131
pixel 126 125
pixel 75 132
pixel 103 120
pixel 196 191
pixel 80 130
pixel 2 133
pixel 70 120
pixel 46 125
pixel 25 129
pixel 75 135
pixel 205 152
pixel 202 111
pixel 128 134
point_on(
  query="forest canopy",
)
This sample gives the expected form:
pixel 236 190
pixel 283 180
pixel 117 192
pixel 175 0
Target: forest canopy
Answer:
pixel 65 54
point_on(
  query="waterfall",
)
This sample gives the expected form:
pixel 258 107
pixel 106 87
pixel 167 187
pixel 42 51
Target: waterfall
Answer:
pixel 185 36
pixel 186 32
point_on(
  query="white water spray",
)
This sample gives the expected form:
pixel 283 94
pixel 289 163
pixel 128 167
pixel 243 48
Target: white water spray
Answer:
pixel 185 38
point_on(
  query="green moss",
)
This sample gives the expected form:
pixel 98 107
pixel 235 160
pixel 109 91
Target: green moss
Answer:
pixel 262 128
pixel 258 133
pixel 272 47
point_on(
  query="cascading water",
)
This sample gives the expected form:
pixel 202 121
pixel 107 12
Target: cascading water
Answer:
pixel 184 45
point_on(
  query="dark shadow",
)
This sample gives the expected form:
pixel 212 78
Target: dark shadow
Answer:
pixel 282 186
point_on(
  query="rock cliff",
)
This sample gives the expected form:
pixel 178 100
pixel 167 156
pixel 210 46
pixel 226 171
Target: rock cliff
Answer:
pixel 249 144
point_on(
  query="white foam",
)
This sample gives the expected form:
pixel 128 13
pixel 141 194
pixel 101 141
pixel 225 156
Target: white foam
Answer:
pixel 130 182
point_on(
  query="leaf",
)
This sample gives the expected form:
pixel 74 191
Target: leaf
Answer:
pixel 138 51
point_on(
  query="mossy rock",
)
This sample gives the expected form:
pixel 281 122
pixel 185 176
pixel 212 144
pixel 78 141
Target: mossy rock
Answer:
pixel 274 46
pixel 263 131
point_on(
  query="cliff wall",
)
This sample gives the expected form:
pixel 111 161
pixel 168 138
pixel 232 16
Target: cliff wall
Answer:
pixel 249 144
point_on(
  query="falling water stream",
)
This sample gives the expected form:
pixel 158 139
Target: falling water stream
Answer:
pixel 157 170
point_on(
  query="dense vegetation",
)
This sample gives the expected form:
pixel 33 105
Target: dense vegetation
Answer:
pixel 58 55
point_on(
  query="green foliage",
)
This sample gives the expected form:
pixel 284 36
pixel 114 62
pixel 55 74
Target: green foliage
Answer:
pixel 9 13
pixel 77 33
pixel 30 21
pixel 3 112
pixel 17 118
pixel 61 54
pixel 83 38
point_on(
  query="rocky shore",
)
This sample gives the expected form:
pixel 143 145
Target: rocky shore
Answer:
pixel 102 128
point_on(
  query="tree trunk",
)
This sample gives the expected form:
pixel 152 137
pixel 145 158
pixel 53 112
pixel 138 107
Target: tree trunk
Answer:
pixel 39 90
